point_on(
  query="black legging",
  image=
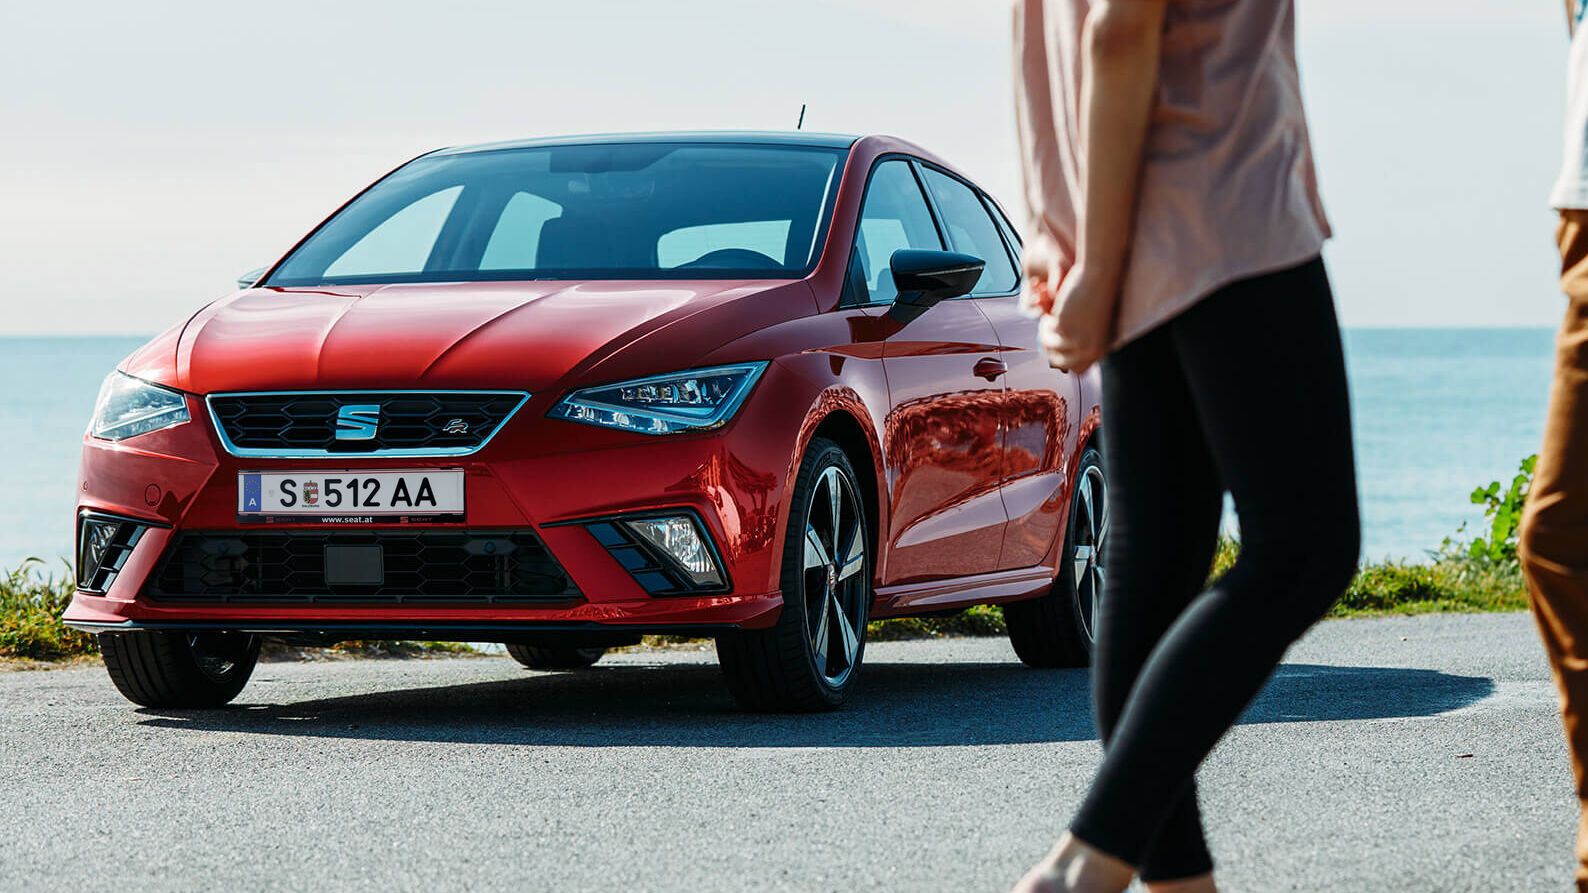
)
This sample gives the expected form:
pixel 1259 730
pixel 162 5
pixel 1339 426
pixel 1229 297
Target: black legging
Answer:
pixel 1244 392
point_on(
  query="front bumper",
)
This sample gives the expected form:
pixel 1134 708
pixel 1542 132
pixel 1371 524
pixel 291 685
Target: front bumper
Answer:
pixel 689 616
pixel 182 480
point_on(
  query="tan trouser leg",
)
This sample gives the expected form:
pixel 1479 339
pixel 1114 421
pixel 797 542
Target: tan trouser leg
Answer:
pixel 1554 537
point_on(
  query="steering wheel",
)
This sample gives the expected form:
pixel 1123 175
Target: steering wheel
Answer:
pixel 734 259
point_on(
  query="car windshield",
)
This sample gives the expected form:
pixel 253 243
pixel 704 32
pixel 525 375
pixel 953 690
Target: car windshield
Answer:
pixel 598 211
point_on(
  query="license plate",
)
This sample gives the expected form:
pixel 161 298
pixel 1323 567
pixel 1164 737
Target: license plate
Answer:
pixel 351 497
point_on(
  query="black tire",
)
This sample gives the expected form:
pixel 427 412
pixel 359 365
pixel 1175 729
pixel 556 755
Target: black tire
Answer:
pixel 541 657
pixel 179 669
pixel 1055 630
pixel 777 668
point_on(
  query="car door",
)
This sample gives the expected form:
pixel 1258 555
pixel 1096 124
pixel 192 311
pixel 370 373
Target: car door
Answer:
pixel 1037 407
pixel 941 435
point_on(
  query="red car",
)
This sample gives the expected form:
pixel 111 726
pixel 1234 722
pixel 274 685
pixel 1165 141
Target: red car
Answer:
pixel 562 393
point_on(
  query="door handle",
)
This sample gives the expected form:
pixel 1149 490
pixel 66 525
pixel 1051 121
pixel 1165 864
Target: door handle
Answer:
pixel 990 368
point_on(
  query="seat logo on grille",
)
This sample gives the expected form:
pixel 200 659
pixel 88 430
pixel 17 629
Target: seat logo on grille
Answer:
pixel 357 421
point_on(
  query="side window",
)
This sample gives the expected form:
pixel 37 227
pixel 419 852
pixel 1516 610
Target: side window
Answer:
pixel 402 243
pixel 894 216
pixel 515 242
pixel 1005 227
pixel 972 231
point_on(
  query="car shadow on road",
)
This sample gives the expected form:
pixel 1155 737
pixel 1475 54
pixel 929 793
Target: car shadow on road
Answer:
pixel 896 704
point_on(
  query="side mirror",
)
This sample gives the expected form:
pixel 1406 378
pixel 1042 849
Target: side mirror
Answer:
pixel 248 279
pixel 926 278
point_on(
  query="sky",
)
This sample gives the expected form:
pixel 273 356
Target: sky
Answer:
pixel 151 152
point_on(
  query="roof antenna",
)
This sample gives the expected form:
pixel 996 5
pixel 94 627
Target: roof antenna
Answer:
pixel 801 124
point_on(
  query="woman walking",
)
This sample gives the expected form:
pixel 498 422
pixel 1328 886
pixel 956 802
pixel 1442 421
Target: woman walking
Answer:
pixel 1175 237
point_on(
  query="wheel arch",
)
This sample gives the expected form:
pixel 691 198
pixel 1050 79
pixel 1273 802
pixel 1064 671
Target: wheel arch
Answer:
pixel 1093 438
pixel 1090 392
pixel 1089 434
pixel 840 414
pixel 844 429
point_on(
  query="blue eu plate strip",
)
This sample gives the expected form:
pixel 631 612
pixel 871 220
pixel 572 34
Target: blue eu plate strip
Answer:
pixel 251 494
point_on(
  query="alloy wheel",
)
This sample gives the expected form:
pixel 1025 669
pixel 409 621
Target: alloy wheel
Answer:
pixel 1088 539
pixel 836 585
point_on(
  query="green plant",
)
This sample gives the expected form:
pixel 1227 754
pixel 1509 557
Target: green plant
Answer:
pixel 31 603
pixel 1391 587
pixel 1229 549
pixel 1503 508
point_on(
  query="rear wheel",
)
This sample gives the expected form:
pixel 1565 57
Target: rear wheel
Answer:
pixel 161 668
pixel 540 657
pixel 808 660
pixel 1060 628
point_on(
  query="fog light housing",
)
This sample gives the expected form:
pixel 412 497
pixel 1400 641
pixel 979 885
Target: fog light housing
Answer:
pixel 104 543
pixel 679 539
pixel 667 554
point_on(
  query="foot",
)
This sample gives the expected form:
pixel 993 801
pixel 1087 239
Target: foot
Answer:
pixel 1076 867
pixel 1199 884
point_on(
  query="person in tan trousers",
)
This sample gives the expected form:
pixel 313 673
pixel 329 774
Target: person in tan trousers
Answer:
pixel 1554 537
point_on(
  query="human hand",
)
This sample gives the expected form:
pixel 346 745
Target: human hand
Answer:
pixel 1079 329
pixel 1042 265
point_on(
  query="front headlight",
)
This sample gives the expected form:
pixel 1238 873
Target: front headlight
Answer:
pixel 130 406
pixel 664 404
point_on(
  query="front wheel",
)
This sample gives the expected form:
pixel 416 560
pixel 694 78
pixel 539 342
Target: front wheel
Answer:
pixel 1060 628
pixel 179 668
pixel 808 660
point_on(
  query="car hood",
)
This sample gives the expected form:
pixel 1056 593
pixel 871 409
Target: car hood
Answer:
pixel 498 335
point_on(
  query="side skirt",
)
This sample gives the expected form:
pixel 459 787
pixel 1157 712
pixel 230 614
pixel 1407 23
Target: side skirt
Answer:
pixel 947 595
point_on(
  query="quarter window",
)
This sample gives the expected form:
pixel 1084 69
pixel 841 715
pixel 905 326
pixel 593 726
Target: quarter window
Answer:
pixel 1007 229
pixel 971 231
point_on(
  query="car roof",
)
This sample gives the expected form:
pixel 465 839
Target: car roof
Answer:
pixel 745 137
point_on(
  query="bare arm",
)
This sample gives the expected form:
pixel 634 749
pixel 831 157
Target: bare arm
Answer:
pixel 1571 16
pixel 1119 77
pixel 1122 43
pixel 1044 257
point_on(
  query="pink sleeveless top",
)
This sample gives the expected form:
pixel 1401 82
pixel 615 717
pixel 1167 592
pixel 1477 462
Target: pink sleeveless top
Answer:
pixel 1228 189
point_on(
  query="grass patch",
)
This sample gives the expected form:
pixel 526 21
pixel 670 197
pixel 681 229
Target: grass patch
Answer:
pixel 978 620
pixel 1450 583
pixel 31 602
pixel 1454 580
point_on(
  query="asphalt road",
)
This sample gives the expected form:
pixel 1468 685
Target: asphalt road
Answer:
pixel 1405 754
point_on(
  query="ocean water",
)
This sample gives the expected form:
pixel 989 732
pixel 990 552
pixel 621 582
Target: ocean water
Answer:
pixel 1438 412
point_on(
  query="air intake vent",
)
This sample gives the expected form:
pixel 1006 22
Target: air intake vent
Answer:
pixel 362 567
